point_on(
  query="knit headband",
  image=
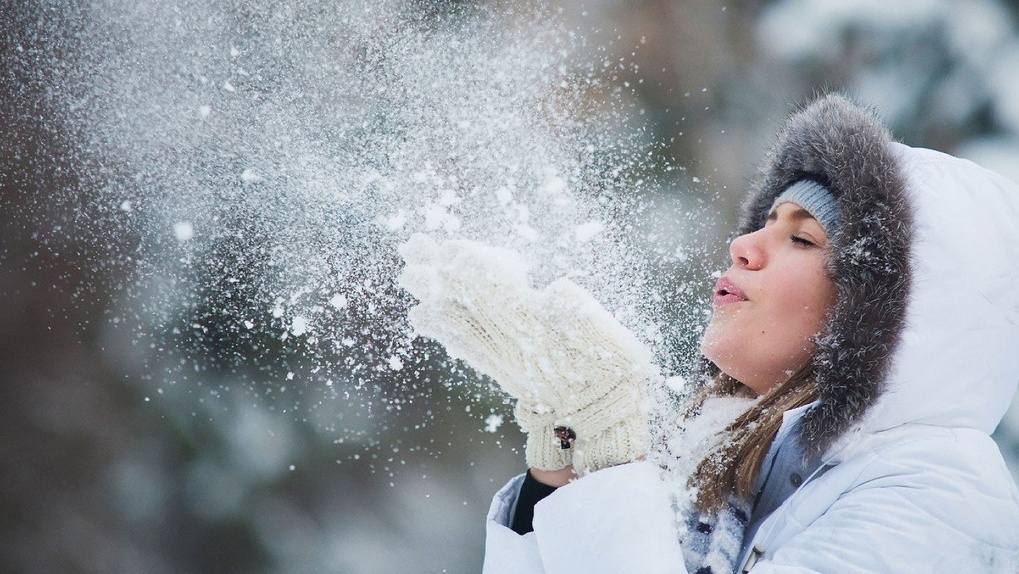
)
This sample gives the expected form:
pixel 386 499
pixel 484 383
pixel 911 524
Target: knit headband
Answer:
pixel 815 199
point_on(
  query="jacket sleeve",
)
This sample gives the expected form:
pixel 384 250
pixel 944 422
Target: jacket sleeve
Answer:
pixel 507 552
pixel 618 520
pixel 915 509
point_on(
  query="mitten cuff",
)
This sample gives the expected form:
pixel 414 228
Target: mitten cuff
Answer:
pixel 621 404
pixel 626 441
pixel 544 450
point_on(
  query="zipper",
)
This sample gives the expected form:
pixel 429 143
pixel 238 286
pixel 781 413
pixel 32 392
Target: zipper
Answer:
pixel 755 554
pixel 759 548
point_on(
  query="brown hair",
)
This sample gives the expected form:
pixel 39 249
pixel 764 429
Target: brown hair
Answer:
pixel 732 466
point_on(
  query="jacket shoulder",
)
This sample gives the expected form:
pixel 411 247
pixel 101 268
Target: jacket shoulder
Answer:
pixel 908 499
pixel 957 476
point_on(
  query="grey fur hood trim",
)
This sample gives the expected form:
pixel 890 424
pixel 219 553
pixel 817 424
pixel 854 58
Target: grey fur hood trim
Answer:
pixel 846 148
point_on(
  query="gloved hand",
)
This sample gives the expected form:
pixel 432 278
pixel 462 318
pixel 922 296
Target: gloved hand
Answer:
pixel 565 359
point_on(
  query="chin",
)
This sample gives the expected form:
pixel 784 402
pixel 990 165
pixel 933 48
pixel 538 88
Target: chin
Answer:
pixel 732 364
pixel 713 346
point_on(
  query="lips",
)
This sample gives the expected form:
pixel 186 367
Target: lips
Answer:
pixel 727 292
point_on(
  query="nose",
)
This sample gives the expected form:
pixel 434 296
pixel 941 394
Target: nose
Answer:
pixel 746 251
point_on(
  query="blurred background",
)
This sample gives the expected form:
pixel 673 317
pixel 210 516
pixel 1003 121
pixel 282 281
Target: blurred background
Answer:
pixel 164 409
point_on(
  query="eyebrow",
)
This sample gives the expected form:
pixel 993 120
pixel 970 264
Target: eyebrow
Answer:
pixel 799 214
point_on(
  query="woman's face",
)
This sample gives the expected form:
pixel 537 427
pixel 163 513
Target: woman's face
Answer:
pixel 772 301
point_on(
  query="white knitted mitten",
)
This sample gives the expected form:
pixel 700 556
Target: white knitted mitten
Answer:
pixel 569 363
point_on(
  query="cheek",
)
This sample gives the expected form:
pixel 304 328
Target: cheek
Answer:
pixel 808 304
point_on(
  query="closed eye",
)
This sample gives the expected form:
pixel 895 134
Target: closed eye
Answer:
pixel 802 241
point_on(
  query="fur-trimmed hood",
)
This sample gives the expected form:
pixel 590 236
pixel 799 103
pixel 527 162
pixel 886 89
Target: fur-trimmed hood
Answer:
pixel 926 265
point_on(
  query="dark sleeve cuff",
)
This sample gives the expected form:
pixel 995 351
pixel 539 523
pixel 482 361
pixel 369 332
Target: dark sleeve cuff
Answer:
pixel 531 493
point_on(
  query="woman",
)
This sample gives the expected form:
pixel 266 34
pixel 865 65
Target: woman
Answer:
pixel 871 317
